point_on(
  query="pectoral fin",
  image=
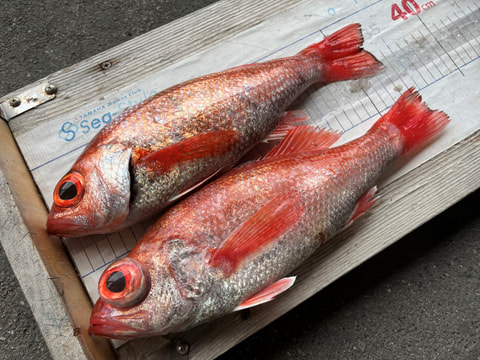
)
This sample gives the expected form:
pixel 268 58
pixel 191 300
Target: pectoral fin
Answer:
pixel 194 187
pixel 265 226
pixel 200 146
pixel 267 294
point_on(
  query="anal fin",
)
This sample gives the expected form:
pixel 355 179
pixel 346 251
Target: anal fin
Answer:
pixel 365 203
pixel 267 294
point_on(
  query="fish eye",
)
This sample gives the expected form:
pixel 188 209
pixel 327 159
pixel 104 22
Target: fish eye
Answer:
pixel 69 190
pixel 125 283
pixel 116 282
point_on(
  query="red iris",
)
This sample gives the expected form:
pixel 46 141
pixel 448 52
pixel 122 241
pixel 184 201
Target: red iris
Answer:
pixel 69 191
pixel 124 284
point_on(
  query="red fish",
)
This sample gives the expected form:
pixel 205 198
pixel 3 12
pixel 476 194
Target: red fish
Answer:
pixel 173 142
pixel 231 244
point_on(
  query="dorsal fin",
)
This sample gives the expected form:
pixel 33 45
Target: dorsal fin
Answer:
pixel 290 119
pixel 304 138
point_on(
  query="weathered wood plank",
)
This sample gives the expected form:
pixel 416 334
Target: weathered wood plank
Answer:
pixel 35 281
pixel 41 264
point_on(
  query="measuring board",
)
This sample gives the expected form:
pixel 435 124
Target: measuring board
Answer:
pixel 433 46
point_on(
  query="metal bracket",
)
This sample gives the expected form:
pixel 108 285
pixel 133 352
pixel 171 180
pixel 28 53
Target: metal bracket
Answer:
pixel 27 100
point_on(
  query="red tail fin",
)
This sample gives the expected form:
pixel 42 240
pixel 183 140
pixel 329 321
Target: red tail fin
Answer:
pixel 414 119
pixel 342 57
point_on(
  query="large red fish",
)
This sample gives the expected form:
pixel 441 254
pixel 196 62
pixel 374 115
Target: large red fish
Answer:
pixel 171 143
pixel 231 244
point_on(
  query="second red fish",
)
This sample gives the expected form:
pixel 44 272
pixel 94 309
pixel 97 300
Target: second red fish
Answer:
pixel 171 143
pixel 231 245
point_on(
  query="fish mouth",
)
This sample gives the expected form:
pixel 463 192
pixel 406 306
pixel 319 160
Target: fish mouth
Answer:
pixel 64 227
pixel 67 225
pixel 112 329
pixel 121 327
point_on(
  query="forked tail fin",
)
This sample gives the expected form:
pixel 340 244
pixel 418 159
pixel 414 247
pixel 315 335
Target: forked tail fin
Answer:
pixel 342 56
pixel 416 122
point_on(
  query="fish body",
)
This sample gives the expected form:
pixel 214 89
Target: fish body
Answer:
pixel 170 144
pixel 231 244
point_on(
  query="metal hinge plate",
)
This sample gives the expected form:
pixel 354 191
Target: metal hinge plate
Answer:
pixel 27 100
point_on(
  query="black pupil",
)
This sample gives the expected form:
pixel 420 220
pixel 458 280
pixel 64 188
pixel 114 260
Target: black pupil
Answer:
pixel 116 282
pixel 67 191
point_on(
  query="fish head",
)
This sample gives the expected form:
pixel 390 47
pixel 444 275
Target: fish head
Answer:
pixel 139 299
pixel 94 196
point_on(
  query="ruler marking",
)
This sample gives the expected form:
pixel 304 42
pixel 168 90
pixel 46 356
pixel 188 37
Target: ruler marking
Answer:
pixel 460 44
pixel 399 62
pixel 373 109
pixel 452 49
pixel 415 54
pixel 439 59
pixel 420 58
pixel 329 89
pixel 359 118
pixel 438 56
pixel 400 78
pixel 413 69
pixel 376 88
pixel 330 113
pixel 386 73
pixel 378 95
pixel 445 56
pixel 475 15
pixel 440 44
pixel 373 103
pixel 468 15
pixel 473 39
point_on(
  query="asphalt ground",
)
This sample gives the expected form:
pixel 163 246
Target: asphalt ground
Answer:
pixel 418 299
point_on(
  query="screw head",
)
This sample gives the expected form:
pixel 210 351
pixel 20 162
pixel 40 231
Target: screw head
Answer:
pixel 106 65
pixel 14 102
pixel 51 89
pixel 182 348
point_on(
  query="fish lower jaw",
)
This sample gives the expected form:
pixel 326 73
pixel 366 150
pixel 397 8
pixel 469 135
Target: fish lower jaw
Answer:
pixel 64 226
pixel 116 330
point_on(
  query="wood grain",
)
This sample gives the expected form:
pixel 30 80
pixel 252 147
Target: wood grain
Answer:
pixel 41 264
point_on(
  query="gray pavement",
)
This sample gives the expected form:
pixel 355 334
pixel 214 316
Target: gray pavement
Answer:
pixel 419 299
